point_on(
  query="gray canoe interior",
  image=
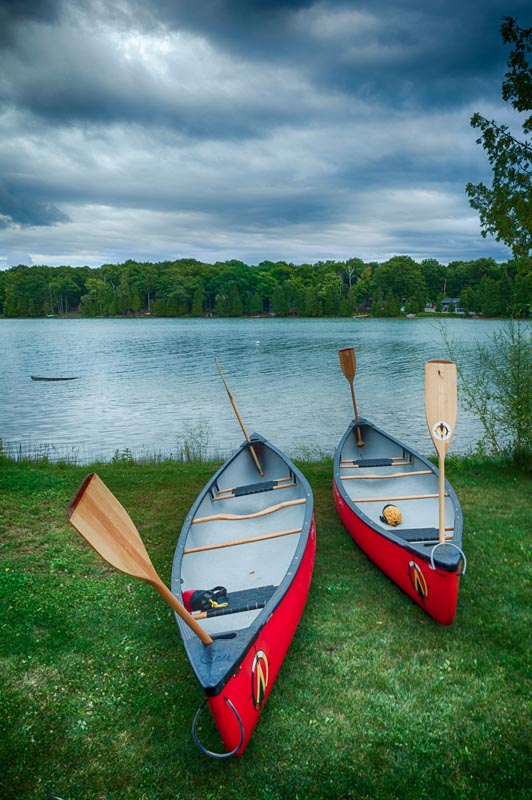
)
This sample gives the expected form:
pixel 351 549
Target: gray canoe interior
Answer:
pixel 418 512
pixel 239 567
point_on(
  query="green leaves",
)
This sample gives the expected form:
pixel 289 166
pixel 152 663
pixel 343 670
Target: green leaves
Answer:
pixel 505 209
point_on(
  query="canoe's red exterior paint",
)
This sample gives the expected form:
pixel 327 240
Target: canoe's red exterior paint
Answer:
pixel 249 687
pixel 435 590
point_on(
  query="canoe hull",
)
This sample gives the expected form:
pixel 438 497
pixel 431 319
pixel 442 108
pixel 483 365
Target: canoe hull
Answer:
pixel 432 583
pixel 436 591
pixel 255 536
pixel 250 686
pixel 40 378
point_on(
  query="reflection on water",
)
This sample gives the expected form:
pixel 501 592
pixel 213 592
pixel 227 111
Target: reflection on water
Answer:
pixel 148 384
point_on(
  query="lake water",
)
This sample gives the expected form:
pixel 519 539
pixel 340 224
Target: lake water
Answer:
pixel 150 385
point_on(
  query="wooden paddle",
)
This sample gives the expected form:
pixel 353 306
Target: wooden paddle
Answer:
pixel 440 409
pixel 349 365
pixel 239 418
pixel 98 516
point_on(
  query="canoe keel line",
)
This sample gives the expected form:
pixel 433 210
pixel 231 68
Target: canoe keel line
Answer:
pixel 409 554
pixel 261 551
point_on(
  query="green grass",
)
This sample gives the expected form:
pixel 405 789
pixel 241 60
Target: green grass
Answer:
pixel 374 699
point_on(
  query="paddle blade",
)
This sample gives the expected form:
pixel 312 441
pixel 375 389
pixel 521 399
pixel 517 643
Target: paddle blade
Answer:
pixel 98 516
pixel 441 402
pixel 348 362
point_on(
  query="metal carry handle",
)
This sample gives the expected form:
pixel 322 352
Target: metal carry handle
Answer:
pixel 202 747
pixel 448 544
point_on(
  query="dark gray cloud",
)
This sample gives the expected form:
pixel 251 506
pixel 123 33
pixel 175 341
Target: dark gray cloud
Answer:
pixel 16 13
pixel 406 50
pixel 21 205
pixel 226 128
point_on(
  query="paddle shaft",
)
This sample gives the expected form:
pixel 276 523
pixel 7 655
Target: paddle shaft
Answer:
pixel 441 408
pixel 348 364
pixel 441 497
pixel 241 422
pixel 174 603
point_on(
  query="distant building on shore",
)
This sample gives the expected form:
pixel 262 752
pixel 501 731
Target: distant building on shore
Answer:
pixel 448 304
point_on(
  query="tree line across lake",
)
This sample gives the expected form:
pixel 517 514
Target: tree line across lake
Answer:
pixel 187 287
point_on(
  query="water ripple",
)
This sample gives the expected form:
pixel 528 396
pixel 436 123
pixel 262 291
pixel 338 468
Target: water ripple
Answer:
pixel 146 385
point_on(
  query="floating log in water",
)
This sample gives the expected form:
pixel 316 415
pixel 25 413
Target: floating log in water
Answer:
pixel 39 378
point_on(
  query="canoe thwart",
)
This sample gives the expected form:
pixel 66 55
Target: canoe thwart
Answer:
pixel 237 602
pixel 410 474
pixel 260 513
pixel 235 542
pixel 398 497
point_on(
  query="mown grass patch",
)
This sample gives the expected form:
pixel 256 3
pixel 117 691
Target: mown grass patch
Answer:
pixel 374 700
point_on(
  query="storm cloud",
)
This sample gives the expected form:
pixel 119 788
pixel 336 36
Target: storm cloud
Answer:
pixel 249 130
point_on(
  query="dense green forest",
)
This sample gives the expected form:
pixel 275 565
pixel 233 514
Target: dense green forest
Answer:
pixel 187 287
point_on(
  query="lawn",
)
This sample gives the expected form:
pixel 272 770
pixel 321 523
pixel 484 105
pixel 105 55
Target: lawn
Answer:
pixel 374 699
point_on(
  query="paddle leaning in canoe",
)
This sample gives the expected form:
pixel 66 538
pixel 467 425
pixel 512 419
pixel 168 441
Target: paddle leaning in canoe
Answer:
pixel 243 566
pixel 397 505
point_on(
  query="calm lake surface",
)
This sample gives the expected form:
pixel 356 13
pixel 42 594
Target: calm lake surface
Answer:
pixel 150 385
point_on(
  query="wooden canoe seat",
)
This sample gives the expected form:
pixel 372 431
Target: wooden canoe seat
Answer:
pixel 255 488
pixel 237 602
pixel 374 462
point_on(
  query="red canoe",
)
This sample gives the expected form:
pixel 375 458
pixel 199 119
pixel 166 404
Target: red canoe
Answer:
pixel 243 566
pixel 386 472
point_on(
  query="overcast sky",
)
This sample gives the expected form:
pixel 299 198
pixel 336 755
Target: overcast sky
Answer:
pixel 219 129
